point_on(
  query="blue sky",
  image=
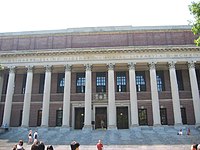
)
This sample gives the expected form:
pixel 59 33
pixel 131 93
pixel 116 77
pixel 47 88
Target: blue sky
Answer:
pixel 31 15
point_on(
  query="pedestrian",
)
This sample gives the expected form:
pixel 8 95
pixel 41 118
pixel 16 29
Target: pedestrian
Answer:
pixel 19 146
pixel 50 147
pixel 35 135
pixel 194 147
pixel 99 145
pixel 188 131
pixel 74 145
pixel 30 137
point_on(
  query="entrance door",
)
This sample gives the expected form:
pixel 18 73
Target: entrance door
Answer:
pixel 183 115
pixel 122 117
pixel 163 116
pixel 79 118
pixel 100 117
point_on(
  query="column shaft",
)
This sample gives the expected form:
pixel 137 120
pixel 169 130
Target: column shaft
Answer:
pixel 66 97
pixel 111 98
pixel 154 95
pixel 9 97
pixel 46 97
pixel 27 97
pixel 1 83
pixel 88 97
pixel 175 94
pixel 195 92
pixel 133 95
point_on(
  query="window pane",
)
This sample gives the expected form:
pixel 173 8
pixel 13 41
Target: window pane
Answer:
pixel 142 116
pixel 60 83
pixel 80 82
pixel 101 82
pixel 179 79
pixel 160 80
pixel 121 81
pixel 140 81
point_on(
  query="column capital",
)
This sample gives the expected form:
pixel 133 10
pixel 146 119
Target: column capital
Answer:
pixel 191 64
pixel 68 67
pixel 30 68
pixel 11 69
pixel 131 66
pixel 152 65
pixel 48 68
pixel 111 66
pixel 171 64
pixel 88 67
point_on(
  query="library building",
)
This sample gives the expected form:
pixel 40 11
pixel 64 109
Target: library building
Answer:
pixel 117 77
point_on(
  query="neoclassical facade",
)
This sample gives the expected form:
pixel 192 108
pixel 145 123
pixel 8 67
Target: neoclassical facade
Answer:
pixel 105 77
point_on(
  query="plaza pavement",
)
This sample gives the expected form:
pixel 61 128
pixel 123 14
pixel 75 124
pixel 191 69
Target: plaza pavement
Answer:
pixel 151 138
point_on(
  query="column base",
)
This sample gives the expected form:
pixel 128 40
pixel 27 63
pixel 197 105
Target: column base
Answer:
pixel 197 125
pixel 112 127
pixel 135 128
pixel 87 128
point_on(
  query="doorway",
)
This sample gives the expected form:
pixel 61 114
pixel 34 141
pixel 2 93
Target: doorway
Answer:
pixel 122 117
pixel 101 118
pixel 79 118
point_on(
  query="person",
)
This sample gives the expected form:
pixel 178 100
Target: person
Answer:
pixel 41 146
pixel 30 137
pixel 180 132
pixel 35 144
pixel 198 147
pixel 35 135
pixel 100 145
pixel 102 124
pixel 19 146
pixel 50 147
pixel 74 145
pixel 188 131
pixel 194 146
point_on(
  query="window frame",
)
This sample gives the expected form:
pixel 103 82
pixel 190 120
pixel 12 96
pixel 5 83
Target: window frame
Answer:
pixel 100 82
pixel 80 79
pixel 140 87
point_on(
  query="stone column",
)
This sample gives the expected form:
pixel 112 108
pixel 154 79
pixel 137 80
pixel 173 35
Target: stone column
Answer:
pixel 1 82
pixel 9 97
pixel 46 97
pixel 154 95
pixel 133 95
pixel 111 98
pixel 27 97
pixel 195 92
pixel 88 98
pixel 66 97
pixel 175 94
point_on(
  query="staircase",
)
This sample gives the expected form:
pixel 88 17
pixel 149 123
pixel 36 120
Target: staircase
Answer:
pixel 137 136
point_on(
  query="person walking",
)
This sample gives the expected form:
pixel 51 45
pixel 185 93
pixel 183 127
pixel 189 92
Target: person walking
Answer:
pixel 35 135
pixel 99 145
pixel 30 137
pixel 74 145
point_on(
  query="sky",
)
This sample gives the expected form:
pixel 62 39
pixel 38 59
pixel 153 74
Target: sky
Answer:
pixel 34 15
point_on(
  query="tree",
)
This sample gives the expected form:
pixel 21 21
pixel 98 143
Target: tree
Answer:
pixel 195 11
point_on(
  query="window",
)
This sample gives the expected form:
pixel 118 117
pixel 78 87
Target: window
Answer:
pixel 140 81
pixel 163 116
pixel 23 84
pixel 60 83
pixel 198 77
pixel 59 116
pixel 179 79
pixel 121 81
pixel 160 80
pixel 100 82
pixel 80 83
pixel 39 118
pixel 41 85
pixel 142 116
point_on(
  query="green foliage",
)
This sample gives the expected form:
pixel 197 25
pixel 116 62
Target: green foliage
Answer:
pixel 195 11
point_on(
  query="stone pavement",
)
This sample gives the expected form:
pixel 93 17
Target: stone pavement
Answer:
pixel 155 138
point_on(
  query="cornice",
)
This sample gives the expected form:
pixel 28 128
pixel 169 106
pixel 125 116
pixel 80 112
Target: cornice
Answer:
pixel 96 30
pixel 74 51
